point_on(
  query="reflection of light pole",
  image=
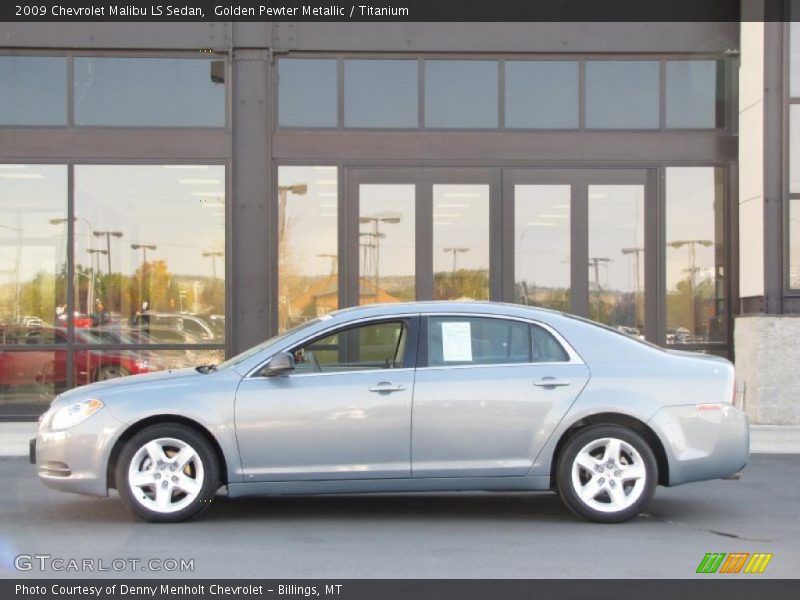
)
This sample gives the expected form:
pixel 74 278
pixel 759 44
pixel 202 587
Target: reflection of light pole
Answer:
pixel 298 189
pixel 95 267
pixel 594 263
pixel 17 262
pixel 692 270
pixel 144 248
pixel 213 255
pixel 376 220
pixel 637 252
pixel 456 252
pixel 89 238
pixel 108 235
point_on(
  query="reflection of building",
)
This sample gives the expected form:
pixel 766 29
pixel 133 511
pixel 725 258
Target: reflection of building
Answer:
pixel 658 124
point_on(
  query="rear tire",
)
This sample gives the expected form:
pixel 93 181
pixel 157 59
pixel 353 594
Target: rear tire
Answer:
pixel 167 473
pixel 606 473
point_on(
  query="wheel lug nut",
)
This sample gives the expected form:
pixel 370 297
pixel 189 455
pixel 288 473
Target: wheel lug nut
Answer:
pixel 601 480
pixel 617 473
pixel 157 475
pixel 174 478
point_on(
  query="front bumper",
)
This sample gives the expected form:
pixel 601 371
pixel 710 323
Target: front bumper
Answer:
pixel 75 460
pixel 703 442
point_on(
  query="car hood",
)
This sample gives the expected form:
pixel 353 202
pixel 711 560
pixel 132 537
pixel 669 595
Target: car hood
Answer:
pixel 112 386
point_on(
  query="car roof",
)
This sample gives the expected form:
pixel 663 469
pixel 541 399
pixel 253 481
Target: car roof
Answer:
pixel 437 306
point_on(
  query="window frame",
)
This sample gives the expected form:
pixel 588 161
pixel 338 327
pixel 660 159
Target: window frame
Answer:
pixel 423 350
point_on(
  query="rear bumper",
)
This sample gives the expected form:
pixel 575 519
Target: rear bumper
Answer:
pixel 703 444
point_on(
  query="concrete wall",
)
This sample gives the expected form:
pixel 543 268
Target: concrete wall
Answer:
pixel 767 359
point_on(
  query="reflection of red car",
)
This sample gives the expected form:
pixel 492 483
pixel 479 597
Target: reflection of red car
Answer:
pixel 46 367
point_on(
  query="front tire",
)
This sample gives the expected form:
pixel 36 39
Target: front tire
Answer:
pixel 167 473
pixel 606 473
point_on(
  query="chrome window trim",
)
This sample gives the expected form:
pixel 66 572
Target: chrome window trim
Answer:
pixel 251 374
pixel 574 357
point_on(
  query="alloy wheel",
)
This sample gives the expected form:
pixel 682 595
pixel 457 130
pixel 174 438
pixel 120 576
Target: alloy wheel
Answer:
pixel 609 475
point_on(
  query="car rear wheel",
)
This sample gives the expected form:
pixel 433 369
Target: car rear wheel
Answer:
pixel 110 372
pixel 167 473
pixel 607 473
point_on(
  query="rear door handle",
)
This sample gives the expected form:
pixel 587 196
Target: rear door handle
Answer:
pixel 385 386
pixel 551 382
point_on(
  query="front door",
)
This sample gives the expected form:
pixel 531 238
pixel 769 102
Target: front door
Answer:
pixel 343 413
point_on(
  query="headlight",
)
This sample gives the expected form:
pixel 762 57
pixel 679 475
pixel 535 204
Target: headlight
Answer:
pixel 72 414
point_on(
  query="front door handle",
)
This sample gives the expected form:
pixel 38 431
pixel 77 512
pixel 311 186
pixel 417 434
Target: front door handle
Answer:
pixel 385 386
pixel 551 382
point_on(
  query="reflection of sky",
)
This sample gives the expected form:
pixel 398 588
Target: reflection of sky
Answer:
pixel 690 216
pixel 30 196
pixel 616 221
pixel 397 248
pixel 460 220
pixel 180 210
pixel 311 219
pixel 541 234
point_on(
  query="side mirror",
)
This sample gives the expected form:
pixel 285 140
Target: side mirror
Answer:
pixel 281 363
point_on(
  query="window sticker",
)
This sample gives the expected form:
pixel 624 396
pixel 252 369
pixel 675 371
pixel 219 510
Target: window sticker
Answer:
pixel 456 341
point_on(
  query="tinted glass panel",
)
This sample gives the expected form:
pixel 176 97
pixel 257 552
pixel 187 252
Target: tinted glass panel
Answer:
pixel 695 255
pixel 478 341
pixel 794 148
pixel 695 94
pixel 542 245
pixel 33 245
pixel 33 90
pixel 150 252
pixel 381 93
pixel 794 52
pixel 616 256
pixel 622 94
pixel 307 92
pixel 542 94
pixel 30 380
pixel 461 94
pixel 374 346
pixel 387 243
pixel 154 92
pixel 461 242
pixel 794 243
pixel 545 348
pixel 308 280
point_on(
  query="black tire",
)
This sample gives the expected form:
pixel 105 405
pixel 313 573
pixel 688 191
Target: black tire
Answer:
pixel 564 473
pixel 208 464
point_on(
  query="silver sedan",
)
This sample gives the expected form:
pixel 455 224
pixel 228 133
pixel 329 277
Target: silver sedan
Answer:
pixel 406 398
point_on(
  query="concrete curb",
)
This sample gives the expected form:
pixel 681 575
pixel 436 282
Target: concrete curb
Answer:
pixel 764 439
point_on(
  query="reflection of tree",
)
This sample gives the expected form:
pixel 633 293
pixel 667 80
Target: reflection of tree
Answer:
pixel 463 284
pixel 694 312
pixel 555 298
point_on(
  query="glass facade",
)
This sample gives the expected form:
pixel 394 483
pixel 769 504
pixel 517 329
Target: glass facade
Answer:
pixel 149 92
pixel 33 90
pixel 308 280
pixel 695 94
pixel 622 94
pixel 307 92
pixel 381 93
pixel 461 94
pixel 542 94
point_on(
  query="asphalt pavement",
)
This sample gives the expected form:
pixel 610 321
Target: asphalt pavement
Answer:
pixel 476 535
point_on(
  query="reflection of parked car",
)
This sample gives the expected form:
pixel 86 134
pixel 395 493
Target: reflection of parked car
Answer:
pixel 37 368
pixel 32 322
pixel 166 328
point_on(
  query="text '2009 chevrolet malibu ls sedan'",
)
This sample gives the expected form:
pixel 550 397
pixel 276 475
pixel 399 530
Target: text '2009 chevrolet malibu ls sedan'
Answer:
pixel 407 398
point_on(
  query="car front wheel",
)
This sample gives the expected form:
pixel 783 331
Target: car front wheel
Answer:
pixel 167 473
pixel 606 473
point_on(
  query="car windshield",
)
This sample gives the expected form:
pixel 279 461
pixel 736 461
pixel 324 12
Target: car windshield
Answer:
pixel 259 347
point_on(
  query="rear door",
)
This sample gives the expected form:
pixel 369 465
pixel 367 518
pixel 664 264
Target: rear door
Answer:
pixel 488 393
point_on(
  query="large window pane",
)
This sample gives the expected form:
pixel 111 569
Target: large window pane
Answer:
pixel 695 255
pixel 616 256
pixel 794 243
pixel 461 94
pixel 149 92
pixel 33 90
pixel 622 94
pixel 381 93
pixel 29 380
pixel 150 253
pixel 542 245
pixel 307 92
pixel 461 242
pixel 33 244
pixel 542 94
pixel 695 94
pixel 386 243
pixel 794 53
pixel 308 282
pixel 794 148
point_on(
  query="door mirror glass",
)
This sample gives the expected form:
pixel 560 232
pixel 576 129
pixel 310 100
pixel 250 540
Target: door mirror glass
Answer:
pixel 281 363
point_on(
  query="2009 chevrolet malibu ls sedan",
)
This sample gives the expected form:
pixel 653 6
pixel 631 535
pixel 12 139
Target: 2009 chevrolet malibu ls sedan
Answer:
pixel 406 398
